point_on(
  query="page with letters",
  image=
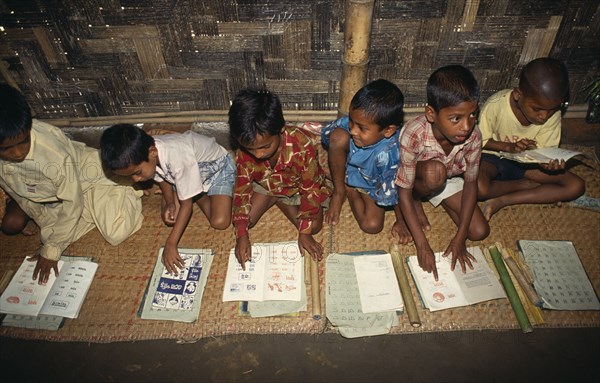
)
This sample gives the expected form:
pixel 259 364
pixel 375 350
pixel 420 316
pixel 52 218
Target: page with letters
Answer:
pixel 455 288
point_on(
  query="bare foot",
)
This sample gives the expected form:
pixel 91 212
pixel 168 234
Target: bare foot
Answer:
pixel 490 207
pixel 423 221
pixel 30 229
pixel 400 231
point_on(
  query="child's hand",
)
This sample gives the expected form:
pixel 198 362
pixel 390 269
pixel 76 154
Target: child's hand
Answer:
pixel 523 144
pixel 427 260
pixel 554 165
pixel 243 250
pixel 308 243
pixel 42 269
pixel 172 260
pixel 168 213
pixel 459 253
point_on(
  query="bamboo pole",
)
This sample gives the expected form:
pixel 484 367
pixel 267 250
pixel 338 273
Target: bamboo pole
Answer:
pixel 315 288
pixel 511 292
pixel 357 37
pixel 189 117
pixel 409 302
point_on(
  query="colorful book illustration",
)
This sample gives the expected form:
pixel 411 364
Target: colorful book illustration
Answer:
pixel 273 274
pixel 541 155
pixel 61 296
pixel 455 288
pixel 177 297
pixel 558 275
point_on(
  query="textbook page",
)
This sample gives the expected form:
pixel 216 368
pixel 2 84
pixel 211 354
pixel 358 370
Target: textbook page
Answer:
pixel 343 306
pixel 541 155
pixel 558 275
pixel 377 283
pixel 23 295
pixel 70 288
pixel 273 273
pixel 455 288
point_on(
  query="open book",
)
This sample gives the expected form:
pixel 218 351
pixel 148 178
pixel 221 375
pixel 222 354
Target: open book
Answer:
pixel 353 294
pixel 455 288
pixel 541 155
pixel 61 296
pixel 177 297
pixel 273 273
pixel 558 275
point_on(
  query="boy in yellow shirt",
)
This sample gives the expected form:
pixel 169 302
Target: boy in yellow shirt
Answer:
pixel 522 118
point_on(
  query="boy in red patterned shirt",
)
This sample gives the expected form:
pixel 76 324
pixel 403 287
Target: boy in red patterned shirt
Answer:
pixel 276 165
pixel 439 152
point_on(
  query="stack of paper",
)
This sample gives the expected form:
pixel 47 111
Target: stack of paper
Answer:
pixel 362 294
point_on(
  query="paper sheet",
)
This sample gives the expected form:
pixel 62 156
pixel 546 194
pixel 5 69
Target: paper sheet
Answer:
pixel 70 288
pixel 23 295
pixel 274 273
pixel 343 307
pixel 455 288
pixel 377 283
pixel 559 276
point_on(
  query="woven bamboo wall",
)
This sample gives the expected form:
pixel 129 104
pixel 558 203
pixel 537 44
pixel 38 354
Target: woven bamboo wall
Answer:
pixel 82 58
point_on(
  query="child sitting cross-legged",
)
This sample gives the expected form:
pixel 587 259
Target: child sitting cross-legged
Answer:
pixel 526 117
pixel 276 165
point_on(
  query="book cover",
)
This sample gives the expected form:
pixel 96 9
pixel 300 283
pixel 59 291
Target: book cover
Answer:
pixel 455 288
pixel 177 297
pixel 273 273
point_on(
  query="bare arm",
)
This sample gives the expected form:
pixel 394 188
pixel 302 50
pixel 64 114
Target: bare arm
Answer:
pixel 339 147
pixel 424 253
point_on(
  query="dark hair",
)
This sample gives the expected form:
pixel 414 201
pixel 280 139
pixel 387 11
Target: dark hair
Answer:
pixel 450 85
pixel 15 114
pixel 546 77
pixel 382 101
pixel 254 112
pixel 124 145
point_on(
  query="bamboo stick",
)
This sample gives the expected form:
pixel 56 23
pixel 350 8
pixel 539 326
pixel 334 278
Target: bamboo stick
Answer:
pixel 315 289
pixel 511 292
pixel 409 303
pixel 531 294
pixel 357 38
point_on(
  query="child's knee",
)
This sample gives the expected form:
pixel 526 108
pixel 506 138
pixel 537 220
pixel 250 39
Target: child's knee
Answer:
pixel 12 224
pixel 483 188
pixel 220 222
pixel 371 226
pixel 433 174
pixel 479 231
pixel 576 187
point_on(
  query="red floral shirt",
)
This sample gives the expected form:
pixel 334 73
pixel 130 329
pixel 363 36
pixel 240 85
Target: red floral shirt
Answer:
pixel 297 171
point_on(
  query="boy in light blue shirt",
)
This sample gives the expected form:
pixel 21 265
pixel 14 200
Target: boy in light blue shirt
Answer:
pixel 364 151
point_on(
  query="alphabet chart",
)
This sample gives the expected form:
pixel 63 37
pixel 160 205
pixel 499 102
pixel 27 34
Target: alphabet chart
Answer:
pixel 559 277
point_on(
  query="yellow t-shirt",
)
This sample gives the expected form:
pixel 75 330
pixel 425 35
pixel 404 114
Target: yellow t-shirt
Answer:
pixel 498 122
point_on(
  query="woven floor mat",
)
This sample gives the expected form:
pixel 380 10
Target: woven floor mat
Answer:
pixel 109 312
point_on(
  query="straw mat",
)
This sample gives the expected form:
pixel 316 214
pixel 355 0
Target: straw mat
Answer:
pixel 109 312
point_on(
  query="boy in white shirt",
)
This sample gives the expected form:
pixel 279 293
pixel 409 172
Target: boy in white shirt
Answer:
pixel 199 169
